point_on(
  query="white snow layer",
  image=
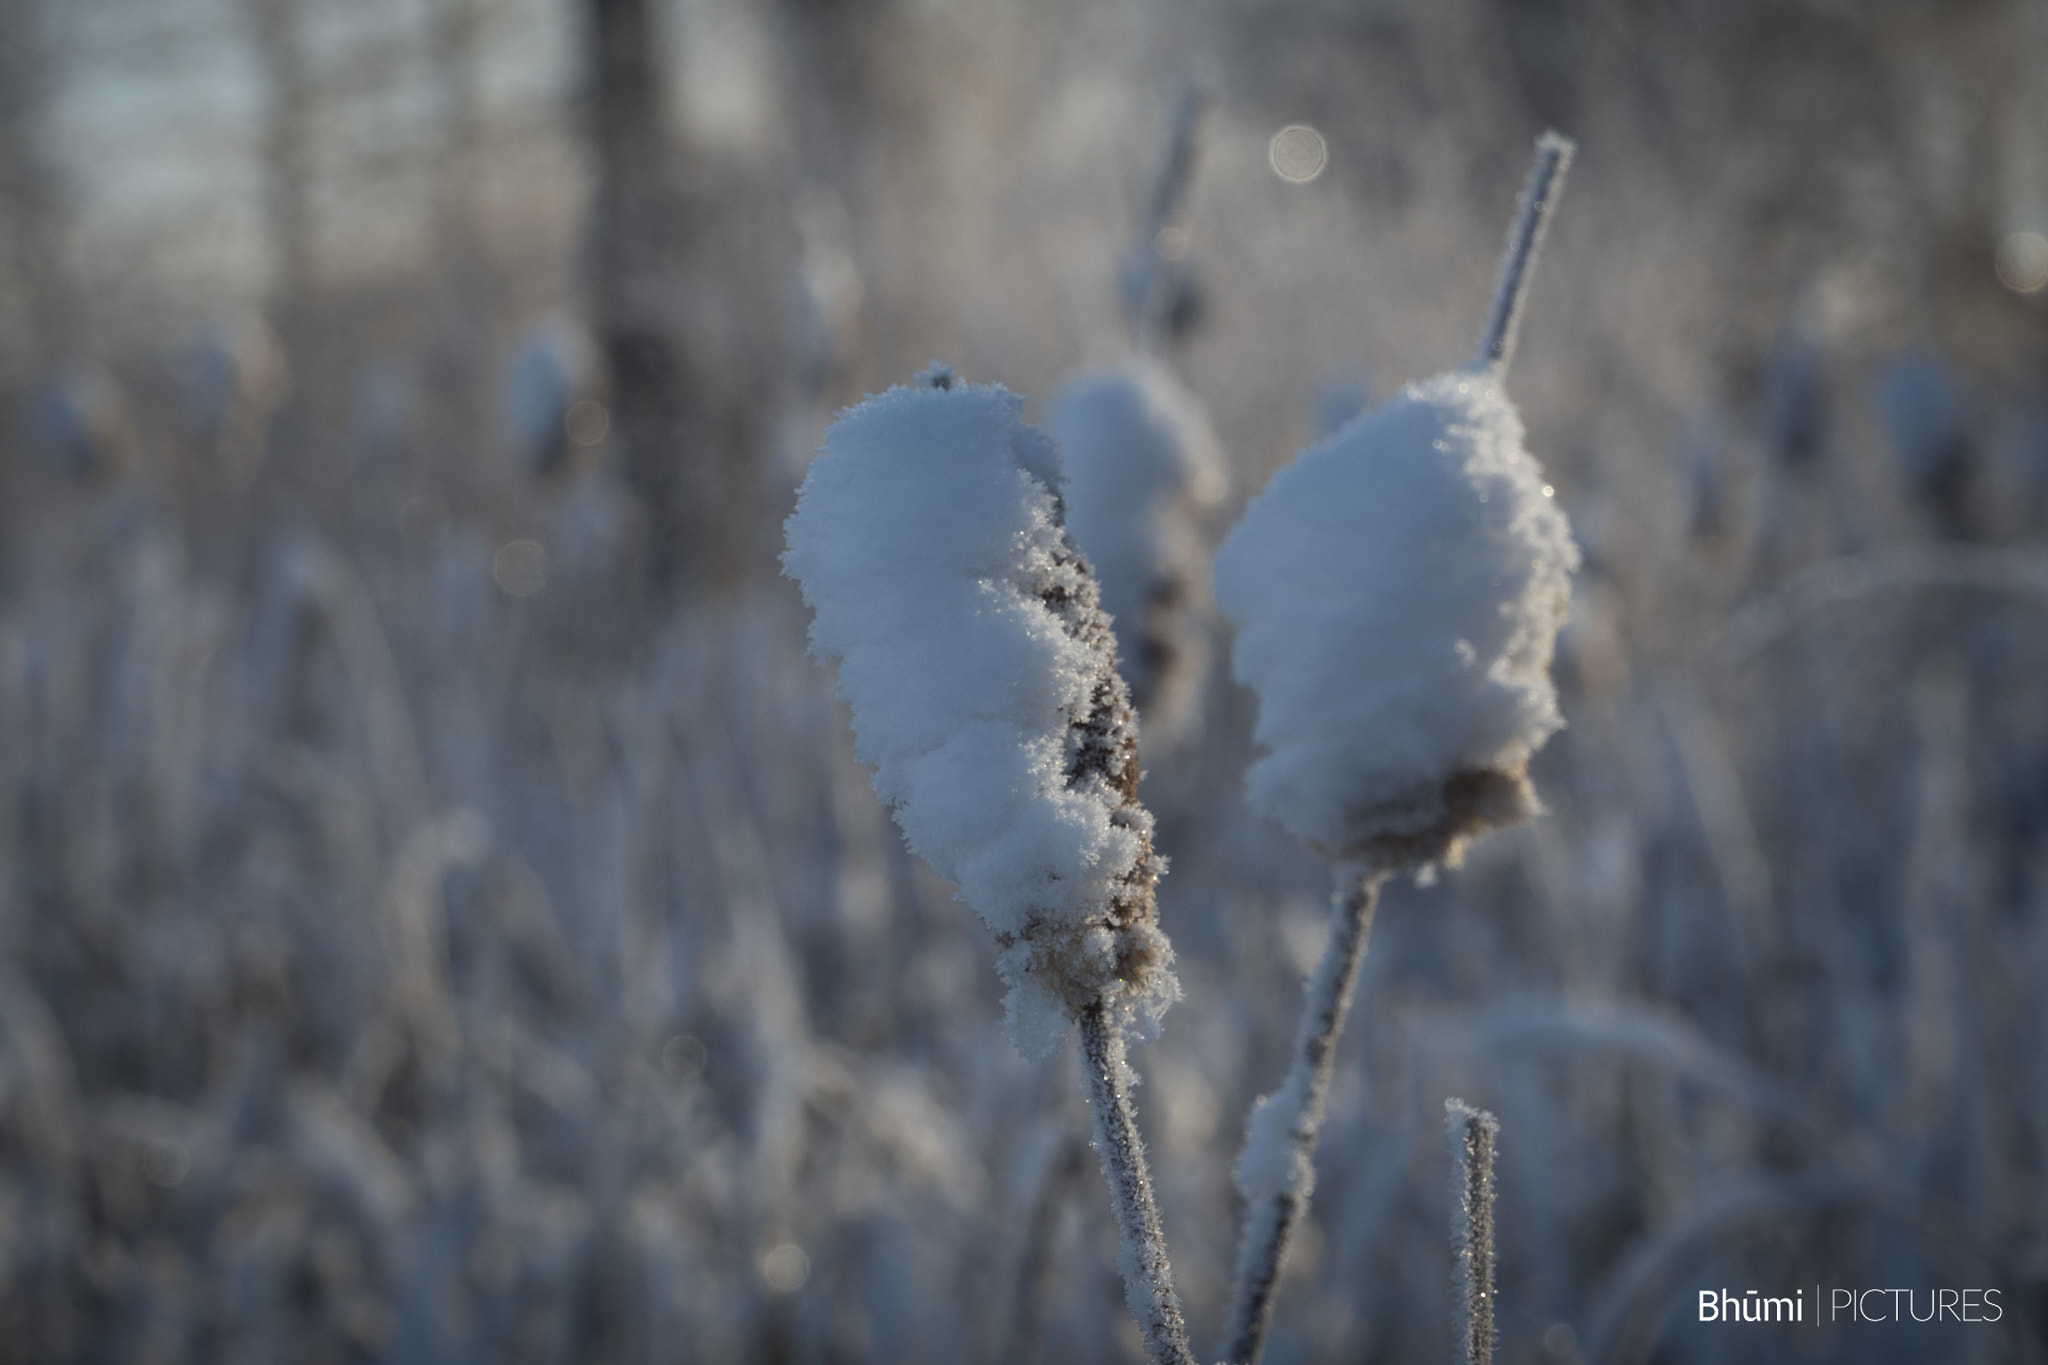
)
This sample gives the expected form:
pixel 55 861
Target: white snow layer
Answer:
pixel 980 671
pixel 1144 470
pixel 1397 591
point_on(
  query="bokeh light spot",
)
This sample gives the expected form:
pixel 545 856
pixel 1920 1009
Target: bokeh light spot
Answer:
pixel 587 422
pixel 1298 153
pixel 682 1057
pixel 2022 262
pixel 785 1268
pixel 520 568
pixel 164 1164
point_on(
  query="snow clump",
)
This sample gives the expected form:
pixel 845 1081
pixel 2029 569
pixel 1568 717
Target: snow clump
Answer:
pixel 929 542
pixel 1397 592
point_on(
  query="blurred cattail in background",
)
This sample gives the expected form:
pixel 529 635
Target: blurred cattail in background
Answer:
pixel 385 411
pixel 80 425
pixel 1160 294
pixel 548 399
pixel 1144 468
pixel 1928 429
pixel 236 377
pixel 1144 474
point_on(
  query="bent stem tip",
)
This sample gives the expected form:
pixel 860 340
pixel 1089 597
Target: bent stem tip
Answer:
pixel 1525 239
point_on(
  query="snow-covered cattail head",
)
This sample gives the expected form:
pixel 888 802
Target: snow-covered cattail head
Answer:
pixel 1144 473
pixel 981 672
pixel 1397 592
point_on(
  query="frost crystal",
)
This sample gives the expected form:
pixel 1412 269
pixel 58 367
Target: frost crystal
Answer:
pixel 981 672
pixel 1397 591
pixel 1144 468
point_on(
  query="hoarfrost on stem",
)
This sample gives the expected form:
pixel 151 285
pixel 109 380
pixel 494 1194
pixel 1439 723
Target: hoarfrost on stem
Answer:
pixel 1474 1135
pixel 972 648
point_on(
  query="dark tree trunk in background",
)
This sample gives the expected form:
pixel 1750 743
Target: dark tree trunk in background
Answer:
pixel 461 266
pixel 31 195
pixel 663 297
pixel 287 152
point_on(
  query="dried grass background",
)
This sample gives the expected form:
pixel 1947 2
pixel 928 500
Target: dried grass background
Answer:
pixel 401 961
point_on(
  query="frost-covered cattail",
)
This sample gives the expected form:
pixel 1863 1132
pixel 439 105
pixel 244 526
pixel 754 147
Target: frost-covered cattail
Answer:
pixel 1703 468
pixel 546 396
pixel 236 379
pixel 1929 426
pixel 236 374
pixel 80 424
pixel 1144 473
pixel 383 411
pixel 982 677
pixel 826 296
pixel 1474 1133
pixel 1397 593
pixel 1160 295
pixel 981 672
pixel 1792 401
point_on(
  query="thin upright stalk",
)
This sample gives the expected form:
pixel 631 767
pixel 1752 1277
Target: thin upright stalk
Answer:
pixel 1474 1133
pixel 1148 1276
pixel 1525 239
pixel 1277 1171
pixel 1148 298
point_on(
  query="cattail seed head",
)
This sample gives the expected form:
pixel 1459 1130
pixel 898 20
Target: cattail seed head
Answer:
pixel 930 543
pixel 1398 591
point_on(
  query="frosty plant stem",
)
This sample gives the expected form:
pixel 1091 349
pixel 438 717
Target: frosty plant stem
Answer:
pixel 1397 593
pixel 1473 1135
pixel 931 544
pixel 1517 266
pixel 1148 1278
pixel 1277 1170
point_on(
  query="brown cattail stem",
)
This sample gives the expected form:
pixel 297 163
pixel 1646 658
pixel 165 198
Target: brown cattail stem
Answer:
pixel 1525 239
pixel 1148 1277
pixel 1474 1133
pixel 1273 1207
